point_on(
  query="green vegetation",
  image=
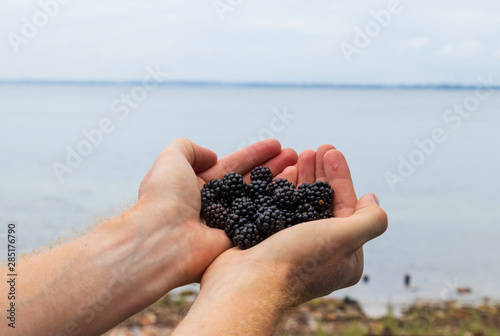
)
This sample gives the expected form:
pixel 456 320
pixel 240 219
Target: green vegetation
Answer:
pixel 328 316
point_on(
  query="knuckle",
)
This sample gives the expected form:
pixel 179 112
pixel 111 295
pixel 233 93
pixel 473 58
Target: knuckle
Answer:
pixel 381 220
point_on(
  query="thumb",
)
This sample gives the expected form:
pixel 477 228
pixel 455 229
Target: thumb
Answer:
pixel 179 157
pixel 368 222
pixel 199 158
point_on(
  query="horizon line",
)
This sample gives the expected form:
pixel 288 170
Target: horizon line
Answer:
pixel 193 83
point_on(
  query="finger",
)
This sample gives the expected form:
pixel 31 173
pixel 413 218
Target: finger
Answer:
pixel 290 173
pixel 182 152
pixel 368 222
pixel 320 168
pixel 287 158
pixel 200 158
pixel 306 167
pixel 244 160
pixel 339 177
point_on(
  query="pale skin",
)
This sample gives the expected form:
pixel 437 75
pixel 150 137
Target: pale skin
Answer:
pixel 248 292
pixel 92 284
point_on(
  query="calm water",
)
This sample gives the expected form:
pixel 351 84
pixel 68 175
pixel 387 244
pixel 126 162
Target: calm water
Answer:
pixel 444 218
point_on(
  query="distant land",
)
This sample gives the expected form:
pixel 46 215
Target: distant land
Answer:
pixel 247 84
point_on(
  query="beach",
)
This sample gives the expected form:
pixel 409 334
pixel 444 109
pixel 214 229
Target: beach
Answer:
pixel 337 316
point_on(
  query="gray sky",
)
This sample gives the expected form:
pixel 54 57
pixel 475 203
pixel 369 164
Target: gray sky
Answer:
pixel 420 41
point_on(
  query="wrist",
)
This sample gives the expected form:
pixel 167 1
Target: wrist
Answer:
pixel 137 250
pixel 105 277
pixel 240 298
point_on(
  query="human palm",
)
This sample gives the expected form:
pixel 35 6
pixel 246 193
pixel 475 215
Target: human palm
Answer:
pixel 311 259
pixel 173 184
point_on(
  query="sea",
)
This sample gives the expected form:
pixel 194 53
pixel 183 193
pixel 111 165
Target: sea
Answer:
pixel 431 155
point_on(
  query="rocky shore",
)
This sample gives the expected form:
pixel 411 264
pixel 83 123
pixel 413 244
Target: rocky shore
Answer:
pixel 330 316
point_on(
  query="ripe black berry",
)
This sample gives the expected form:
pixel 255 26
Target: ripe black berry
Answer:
pixel 325 215
pixel 320 195
pixel 233 187
pixel 251 213
pixel 211 192
pixel 234 224
pixel 243 207
pixel 280 183
pixel 286 197
pixel 270 220
pixel 247 237
pixel 290 218
pixel 264 201
pixel 261 174
pixel 306 213
pixel 215 216
pixel 257 188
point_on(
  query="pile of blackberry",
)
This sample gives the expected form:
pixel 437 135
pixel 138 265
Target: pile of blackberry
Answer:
pixel 250 213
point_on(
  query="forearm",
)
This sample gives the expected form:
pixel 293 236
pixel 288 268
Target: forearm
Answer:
pixel 92 284
pixel 236 304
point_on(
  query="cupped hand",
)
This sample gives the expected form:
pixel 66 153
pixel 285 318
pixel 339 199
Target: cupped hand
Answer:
pixel 170 196
pixel 311 259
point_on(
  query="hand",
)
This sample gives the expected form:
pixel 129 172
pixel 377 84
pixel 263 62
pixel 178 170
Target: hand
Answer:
pixel 170 195
pixel 250 289
pixel 127 263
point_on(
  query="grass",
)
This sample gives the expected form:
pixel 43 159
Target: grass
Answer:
pixel 425 320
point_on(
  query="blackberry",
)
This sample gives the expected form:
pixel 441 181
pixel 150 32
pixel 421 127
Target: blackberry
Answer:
pixel 251 213
pixel 233 187
pixel 261 174
pixel 280 183
pixel 270 220
pixel 257 188
pixel 286 197
pixel 326 214
pixel 300 196
pixel 305 186
pixel 306 213
pixel 303 190
pixel 211 192
pixel 234 224
pixel 319 195
pixel 247 237
pixel 290 218
pixel 243 207
pixel 215 216
pixel 264 201
pixel 323 196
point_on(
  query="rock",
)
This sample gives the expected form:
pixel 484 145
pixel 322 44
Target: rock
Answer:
pixel 119 332
pixel 463 290
pixel 149 318
pixel 330 317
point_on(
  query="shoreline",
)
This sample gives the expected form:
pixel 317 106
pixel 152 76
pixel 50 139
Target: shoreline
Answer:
pixel 339 316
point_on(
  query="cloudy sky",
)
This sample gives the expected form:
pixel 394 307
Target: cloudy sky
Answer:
pixel 342 41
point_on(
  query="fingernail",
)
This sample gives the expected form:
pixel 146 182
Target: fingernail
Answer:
pixel 376 199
